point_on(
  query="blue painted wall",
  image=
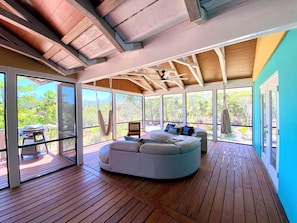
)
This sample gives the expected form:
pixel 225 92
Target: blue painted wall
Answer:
pixel 284 60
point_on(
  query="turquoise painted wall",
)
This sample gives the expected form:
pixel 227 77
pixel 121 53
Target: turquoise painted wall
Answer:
pixel 284 60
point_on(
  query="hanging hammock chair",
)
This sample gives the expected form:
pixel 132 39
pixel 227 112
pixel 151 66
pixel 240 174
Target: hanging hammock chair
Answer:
pixel 104 132
pixel 225 118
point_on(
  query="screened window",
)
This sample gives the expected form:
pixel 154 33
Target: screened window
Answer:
pixel 173 109
pixel 92 102
pixel 3 150
pixel 199 110
pixel 152 112
pixel 239 103
pixel 128 108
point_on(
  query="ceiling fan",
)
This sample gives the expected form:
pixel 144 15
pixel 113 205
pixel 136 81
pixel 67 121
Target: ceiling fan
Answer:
pixel 166 76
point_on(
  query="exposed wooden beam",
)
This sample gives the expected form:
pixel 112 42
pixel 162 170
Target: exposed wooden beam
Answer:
pixel 196 13
pixel 39 29
pixel 194 68
pixel 197 74
pixel 160 68
pixel 77 30
pixel 221 54
pixel 87 10
pixel 16 45
pixel 51 52
pixel 12 9
pixel 148 77
pixel 136 80
pixel 107 6
pixel 185 62
pixel 177 81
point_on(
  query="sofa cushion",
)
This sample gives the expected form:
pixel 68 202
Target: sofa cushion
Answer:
pixel 104 154
pixel 160 135
pixel 169 126
pixel 200 132
pixel 161 149
pixel 129 146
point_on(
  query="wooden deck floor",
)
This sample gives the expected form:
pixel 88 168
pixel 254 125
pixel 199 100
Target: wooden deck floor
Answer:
pixel 230 186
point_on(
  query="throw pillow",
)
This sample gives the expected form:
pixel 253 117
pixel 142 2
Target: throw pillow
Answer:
pixel 152 141
pixel 174 130
pixel 129 138
pixel 169 126
pixel 187 130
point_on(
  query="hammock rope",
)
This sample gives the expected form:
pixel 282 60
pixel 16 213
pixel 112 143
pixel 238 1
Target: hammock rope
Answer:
pixel 225 117
pixel 104 132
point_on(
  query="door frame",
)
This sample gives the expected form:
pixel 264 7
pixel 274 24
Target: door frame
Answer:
pixel 265 89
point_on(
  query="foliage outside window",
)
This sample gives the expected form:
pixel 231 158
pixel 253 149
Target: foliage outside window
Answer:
pixel 52 105
pixel 2 110
pixel 3 156
pixel 128 108
pixel 239 103
pixel 199 110
pixel 152 113
pixel 91 129
pixel 37 104
pixel 172 109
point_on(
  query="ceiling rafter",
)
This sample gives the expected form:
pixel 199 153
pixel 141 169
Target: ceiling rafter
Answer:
pixel 16 45
pixel 194 69
pixel 177 81
pixel 87 10
pixel 147 76
pixel 77 30
pixel 107 6
pixel 12 9
pixel 221 54
pixel 135 81
pixel 198 73
pixel 38 28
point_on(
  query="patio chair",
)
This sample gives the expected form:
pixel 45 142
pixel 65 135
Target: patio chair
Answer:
pixel 133 129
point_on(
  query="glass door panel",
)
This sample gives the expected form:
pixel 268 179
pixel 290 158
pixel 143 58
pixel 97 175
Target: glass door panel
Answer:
pixel 274 129
pixel 263 125
pixel 45 133
pixel 269 127
pixel 66 111
pixel 3 151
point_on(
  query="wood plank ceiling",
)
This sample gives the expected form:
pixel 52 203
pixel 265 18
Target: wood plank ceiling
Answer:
pixel 70 35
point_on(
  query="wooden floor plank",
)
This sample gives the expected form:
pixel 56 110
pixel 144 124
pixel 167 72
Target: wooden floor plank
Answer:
pixel 238 212
pixel 260 207
pixel 274 209
pixel 217 206
pixel 133 213
pixel 226 188
pixel 249 206
pixel 228 203
pixel 206 206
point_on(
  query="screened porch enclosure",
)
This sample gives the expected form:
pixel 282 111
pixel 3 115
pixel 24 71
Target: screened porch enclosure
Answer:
pixel 200 109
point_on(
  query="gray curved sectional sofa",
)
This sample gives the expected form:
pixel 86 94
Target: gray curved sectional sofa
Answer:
pixel 179 157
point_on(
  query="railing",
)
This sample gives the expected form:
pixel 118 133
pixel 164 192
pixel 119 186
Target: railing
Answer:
pixel 239 134
pixel 92 135
pixel 203 125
